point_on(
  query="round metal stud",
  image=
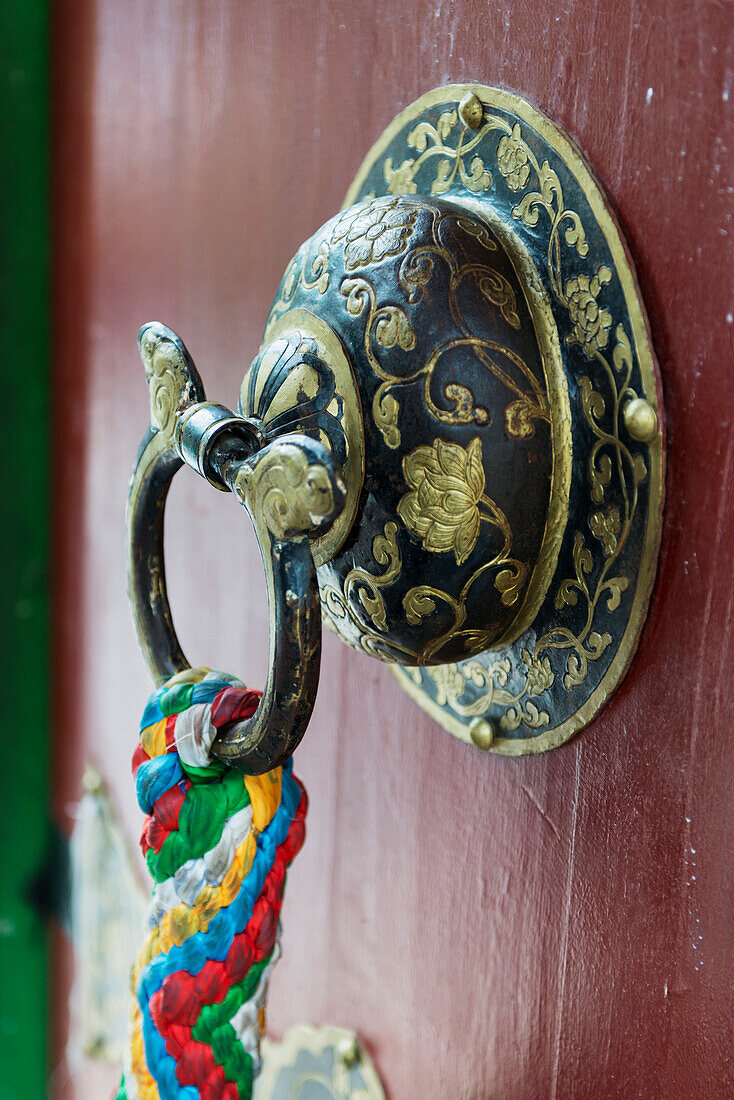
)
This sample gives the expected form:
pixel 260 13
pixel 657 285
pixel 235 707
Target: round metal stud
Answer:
pixel 482 733
pixel 471 111
pixel 640 420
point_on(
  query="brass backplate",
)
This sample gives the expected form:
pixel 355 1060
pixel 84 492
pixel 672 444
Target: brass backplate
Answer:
pixel 504 159
pixel 317 1063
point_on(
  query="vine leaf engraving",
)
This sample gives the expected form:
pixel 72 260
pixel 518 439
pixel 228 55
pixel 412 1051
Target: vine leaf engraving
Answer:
pixel 510 582
pixel 385 552
pixel 387 325
pixel 614 471
pixel 432 141
pixel 452 681
pixel 338 605
pixel 606 526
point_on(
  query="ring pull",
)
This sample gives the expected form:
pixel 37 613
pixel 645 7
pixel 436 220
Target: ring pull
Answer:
pixel 470 344
pixel 292 490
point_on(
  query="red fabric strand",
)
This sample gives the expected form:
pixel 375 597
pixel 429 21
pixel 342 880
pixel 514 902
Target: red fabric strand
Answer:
pixel 139 756
pixel 233 704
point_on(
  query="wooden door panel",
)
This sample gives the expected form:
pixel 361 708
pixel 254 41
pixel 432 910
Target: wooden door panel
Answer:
pixel 556 926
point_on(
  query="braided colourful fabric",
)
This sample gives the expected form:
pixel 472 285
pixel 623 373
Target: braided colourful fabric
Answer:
pixel 217 844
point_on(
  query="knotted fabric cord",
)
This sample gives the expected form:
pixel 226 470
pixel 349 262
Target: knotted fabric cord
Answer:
pixel 217 844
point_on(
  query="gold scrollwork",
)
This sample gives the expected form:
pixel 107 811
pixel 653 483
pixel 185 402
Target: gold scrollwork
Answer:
pixel 172 381
pixel 591 324
pixel 296 276
pixel 388 326
pixel 366 586
pixel 431 141
pixel 451 682
pixel 385 552
pixel 381 228
pixel 610 457
pixel 285 492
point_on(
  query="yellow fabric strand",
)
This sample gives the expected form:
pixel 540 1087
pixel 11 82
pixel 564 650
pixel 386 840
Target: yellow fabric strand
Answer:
pixel 146 1086
pixel 153 738
pixel 264 792
pixel 184 921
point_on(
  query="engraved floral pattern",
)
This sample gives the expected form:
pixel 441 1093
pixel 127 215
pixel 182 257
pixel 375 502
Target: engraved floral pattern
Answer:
pixel 606 527
pixel 539 675
pixel 447 517
pixel 400 180
pixel 453 682
pixel 430 141
pixel 615 470
pixel 450 684
pixel 387 325
pixel 591 323
pixel 447 483
pixel 373 232
pixel 512 160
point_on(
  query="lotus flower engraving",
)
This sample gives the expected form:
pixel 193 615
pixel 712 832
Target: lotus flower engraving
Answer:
pixel 447 503
pixel 591 323
pixel 372 232
pixel 512 158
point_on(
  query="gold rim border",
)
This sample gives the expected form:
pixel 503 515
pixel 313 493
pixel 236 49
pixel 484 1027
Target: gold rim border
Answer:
pixel 327 545
pixel 546 332
pixel 602 210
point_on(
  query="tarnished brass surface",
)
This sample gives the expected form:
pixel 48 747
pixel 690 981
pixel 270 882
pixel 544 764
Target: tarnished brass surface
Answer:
pixel 290 404
pixel 450 441
pixel 454 349
pixel 525 174
pixel 291 488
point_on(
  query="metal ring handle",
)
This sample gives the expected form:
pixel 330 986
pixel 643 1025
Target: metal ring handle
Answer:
pixel 291 489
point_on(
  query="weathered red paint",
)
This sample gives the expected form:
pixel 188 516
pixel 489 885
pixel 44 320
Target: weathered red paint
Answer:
pixel 559 926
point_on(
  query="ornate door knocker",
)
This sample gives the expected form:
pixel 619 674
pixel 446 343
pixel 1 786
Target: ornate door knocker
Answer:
pixel 450 442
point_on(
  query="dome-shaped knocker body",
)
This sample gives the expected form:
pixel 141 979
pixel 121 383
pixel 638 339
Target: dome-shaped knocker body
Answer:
pixel 450 441
pixel 453 391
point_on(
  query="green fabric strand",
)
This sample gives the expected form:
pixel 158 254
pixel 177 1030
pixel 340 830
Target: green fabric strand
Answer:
pixel 176 699
pixel 215 770
pixel 200 824
pixel 215 1030
pixel 212 1016
pixel 238 1067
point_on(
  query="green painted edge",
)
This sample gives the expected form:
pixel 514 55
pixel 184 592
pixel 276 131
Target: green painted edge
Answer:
pixel 24 544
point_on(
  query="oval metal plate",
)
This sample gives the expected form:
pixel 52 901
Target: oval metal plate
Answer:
pixel 495 152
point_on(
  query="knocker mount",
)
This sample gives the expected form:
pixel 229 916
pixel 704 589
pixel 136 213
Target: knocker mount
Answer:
pixel 450 442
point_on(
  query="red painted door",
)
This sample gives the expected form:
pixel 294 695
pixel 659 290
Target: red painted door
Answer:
pixel 558 926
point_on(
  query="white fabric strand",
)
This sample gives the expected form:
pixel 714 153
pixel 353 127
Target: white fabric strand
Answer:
pixel 245 1021
pixel 195 735
pixel 208 870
